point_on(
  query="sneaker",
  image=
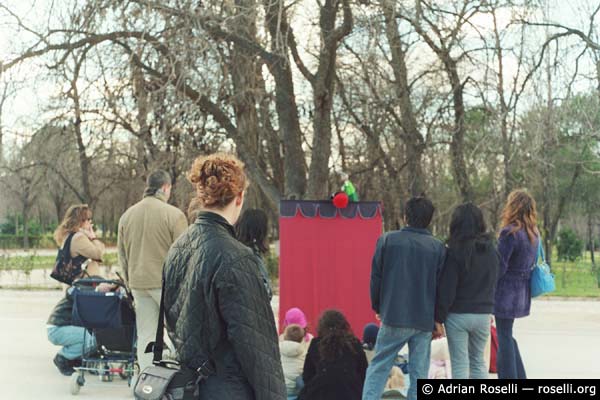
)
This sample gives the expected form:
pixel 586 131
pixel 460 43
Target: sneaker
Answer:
pixel 63 365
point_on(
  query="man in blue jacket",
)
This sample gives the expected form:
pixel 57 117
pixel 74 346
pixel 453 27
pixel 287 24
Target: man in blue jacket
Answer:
pixel 403 288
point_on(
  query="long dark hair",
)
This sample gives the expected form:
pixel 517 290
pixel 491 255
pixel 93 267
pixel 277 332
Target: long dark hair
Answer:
pixel 468 233
pixel 336 337
pixel 467 224
pixel 252 228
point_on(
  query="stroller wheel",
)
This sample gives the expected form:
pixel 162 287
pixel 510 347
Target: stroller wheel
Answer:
pixel 77 382
pixel 124 374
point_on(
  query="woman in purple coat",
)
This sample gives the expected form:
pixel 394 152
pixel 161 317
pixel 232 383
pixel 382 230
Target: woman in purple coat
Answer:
pixel 517 246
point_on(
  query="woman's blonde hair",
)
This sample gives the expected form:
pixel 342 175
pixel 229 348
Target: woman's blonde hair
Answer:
pixel 74 218
pixel 218 179
pixel 520 211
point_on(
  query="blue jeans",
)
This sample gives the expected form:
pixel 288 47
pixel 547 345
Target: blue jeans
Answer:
pixel 71 338
pixel 467 336
pixel 508 360
pixel 390 341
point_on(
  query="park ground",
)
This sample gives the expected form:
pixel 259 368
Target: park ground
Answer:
pixel 558 340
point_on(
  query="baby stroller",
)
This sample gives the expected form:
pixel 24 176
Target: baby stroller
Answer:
pixel 111 318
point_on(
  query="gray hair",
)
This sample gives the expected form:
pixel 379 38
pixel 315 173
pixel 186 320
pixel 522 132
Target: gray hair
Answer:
pixel 157 180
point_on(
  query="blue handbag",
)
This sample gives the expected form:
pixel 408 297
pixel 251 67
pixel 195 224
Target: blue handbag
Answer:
pixel 542 280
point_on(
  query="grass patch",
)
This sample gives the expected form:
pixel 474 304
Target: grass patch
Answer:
pixel 576 279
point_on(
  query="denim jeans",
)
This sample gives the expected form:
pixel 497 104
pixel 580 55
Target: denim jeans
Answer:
pixel 467 337
pixel 71 338
pixel 390 341
pixel 508 360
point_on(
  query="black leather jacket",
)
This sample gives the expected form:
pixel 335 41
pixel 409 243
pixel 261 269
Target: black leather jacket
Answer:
pixel 217 308
pixel 62 313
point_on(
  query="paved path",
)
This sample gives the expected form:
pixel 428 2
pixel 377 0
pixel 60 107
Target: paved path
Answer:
pixel 559 340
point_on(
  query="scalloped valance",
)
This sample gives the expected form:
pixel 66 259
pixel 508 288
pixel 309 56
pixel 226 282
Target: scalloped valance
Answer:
pixel 326 209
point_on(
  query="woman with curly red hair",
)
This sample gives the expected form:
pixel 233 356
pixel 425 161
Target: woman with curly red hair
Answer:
pixel 517 245
pixel 217 310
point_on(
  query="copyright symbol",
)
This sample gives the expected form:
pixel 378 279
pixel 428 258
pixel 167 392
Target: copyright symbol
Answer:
pixel 427 389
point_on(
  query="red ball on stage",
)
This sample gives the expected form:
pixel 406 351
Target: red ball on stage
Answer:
pixel 340 200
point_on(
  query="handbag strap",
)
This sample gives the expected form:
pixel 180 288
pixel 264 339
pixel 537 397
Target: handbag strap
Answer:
pixel 67 247
pixel 158 345
pixel 541 255
pixel 206 366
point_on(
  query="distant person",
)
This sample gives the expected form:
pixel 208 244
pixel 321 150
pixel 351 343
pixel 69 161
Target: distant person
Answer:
pixel 370 332
pixel 335 364
pixel 193 210
pixel 296 316
pixel 252 229
pixel 146 231
pixel 517 245
pixel 369 340
pixel 466 290
pixel 218 312
pixel 85 247
pixel 403 289
pixel 293 354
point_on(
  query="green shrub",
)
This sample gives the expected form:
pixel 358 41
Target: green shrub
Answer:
pixel 569 246
pixel 16 241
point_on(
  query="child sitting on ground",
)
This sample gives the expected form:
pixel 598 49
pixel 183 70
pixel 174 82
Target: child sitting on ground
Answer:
pixel 335 364
pixel 296 316
pixel 293 353
pixel 440 367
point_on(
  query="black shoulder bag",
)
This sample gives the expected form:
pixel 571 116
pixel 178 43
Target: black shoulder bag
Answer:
pixel 66 268
pixel 167 379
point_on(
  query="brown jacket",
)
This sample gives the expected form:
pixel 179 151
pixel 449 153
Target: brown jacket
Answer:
pixel 81 245
pixel 146 232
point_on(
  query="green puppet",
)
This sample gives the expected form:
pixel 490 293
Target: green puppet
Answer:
pixel 349 188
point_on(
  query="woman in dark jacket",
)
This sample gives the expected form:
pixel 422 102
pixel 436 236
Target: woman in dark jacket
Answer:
pixel 217 310
pixel 335 364
pixel 465 296
pixel 251 229
pixel 517 245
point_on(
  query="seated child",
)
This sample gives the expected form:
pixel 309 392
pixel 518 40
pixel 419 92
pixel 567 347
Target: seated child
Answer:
pixel 293 353
pixel 440 360
pixel 335 365
pixel 296 316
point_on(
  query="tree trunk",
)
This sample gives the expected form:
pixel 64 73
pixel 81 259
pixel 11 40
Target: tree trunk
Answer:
pixel 457 145
pixel 504 110
pixel 591 243
pixel 144 137
pixel 323 86
pixel 294 163
pixel 411 137
pixel 84 161
pixel 25 211
pixel 3 98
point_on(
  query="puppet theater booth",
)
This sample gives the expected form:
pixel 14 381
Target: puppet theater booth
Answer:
pixel 325 259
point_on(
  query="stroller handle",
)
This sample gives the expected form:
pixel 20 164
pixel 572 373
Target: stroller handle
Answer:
pixel 92 281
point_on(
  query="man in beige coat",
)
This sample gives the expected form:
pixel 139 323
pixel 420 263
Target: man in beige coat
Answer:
pixel 146 232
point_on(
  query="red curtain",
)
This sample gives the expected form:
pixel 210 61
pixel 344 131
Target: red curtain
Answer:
pixel 326 263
